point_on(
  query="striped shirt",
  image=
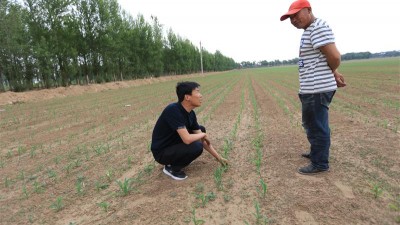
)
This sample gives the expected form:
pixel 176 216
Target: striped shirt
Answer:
pixel 315 75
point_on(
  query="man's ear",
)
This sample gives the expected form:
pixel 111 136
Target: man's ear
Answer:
pixel 187 97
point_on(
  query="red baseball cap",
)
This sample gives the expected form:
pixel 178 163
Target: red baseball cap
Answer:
pixel 295 7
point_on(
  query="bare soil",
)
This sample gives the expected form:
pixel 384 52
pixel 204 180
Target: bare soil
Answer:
pixel 97 135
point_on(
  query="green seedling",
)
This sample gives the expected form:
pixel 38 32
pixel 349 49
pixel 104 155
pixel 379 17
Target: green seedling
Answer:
pixel 33 152
pixel 21 150
pixel 52 174
pixel 125 186
pixel 263 188
pixel 21 175
pixel 109 175
pixel 227 198
pixel 218 177
pixel 37 187
pixel 98 149
pixel 77 163
pixel 25 192
pixel 79 187
pixel 395 206
pixel 58 205
pixel 129 161
pixel 199 188
pixel 57 160
pixel 377 190
pixel 204 198
pixel 260 219
pixel 7 182
pixel 195 220
pixel 9 154
pixel 101 186
pixel 104 206
pixel 69 167
pixel 149 168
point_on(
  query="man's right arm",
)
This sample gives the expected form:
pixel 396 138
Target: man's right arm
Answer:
pixel 188 138
pixel 333 58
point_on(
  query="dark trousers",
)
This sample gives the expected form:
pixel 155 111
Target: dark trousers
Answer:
pixel 180 155
pixel 315 108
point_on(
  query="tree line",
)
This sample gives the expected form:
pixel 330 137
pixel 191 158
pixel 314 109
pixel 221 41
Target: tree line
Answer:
pixel 52 43
pixel 344 57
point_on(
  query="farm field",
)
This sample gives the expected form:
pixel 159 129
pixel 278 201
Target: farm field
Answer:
pixel 84 158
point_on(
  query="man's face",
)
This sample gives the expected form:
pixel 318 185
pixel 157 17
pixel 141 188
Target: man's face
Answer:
pixel 196 98
pixel 302 19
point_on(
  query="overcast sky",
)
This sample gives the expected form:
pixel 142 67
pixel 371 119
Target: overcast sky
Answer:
pixel 250 30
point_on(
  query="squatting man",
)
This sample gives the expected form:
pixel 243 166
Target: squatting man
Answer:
pixel 177 138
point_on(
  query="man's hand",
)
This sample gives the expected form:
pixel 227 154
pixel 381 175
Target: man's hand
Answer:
pixel 205 138
pixel 223 161
pixel 339 79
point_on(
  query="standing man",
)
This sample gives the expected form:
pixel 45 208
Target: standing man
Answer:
pixel 319 78
pixel 177 138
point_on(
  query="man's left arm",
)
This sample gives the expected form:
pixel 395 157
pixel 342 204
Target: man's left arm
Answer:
pixel 333 58
pixel 208 146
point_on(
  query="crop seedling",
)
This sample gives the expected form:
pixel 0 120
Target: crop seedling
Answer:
pixel 57 159
pixel 68 168
pixel 204 198
pixel 7 182
pixel 9 154
pixel 149 168
pixel 79 187
pixel 33 152
pixel 227 198
pixel 37 187
pixel 25 192
pixel 218 177
pixel 71 155
pixel 87 155
pixel 396 207
pixel 98 149
pixel 30 218
pixel 104 206
pixel 101 186
pixel 263 188
pixel 129 162
pixel 125 186
pixel 77 163
pixel 52 174
pixel 199 188
pixel 195 220
pixel 260 219
pixel 58 205
pixel 109 175
pixel 21 175
pixel 21 150
pixel 377 190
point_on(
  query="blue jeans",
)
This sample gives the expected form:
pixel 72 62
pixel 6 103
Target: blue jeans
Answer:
pixel 315 120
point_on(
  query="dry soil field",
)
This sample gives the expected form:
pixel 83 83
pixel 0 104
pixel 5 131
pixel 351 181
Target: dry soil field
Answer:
pixel 80 155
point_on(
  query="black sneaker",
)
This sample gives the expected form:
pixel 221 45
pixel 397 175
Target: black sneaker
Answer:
pixel 176 175
pixel 306 155
pixel 311 170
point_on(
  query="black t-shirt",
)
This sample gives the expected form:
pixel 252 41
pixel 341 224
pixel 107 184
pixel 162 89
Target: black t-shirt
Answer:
pixel 173 117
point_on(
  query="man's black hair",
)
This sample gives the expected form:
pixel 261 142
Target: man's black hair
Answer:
pixel 185 88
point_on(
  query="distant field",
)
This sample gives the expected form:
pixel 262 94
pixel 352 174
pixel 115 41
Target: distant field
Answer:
pixel 85 159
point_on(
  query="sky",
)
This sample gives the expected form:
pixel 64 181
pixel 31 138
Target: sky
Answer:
pixel 251 30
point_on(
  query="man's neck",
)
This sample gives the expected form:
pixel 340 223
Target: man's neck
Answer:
pixel 312 19
pixel 187 106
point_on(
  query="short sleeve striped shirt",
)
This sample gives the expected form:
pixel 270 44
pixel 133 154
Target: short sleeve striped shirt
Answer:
pixel 314 73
